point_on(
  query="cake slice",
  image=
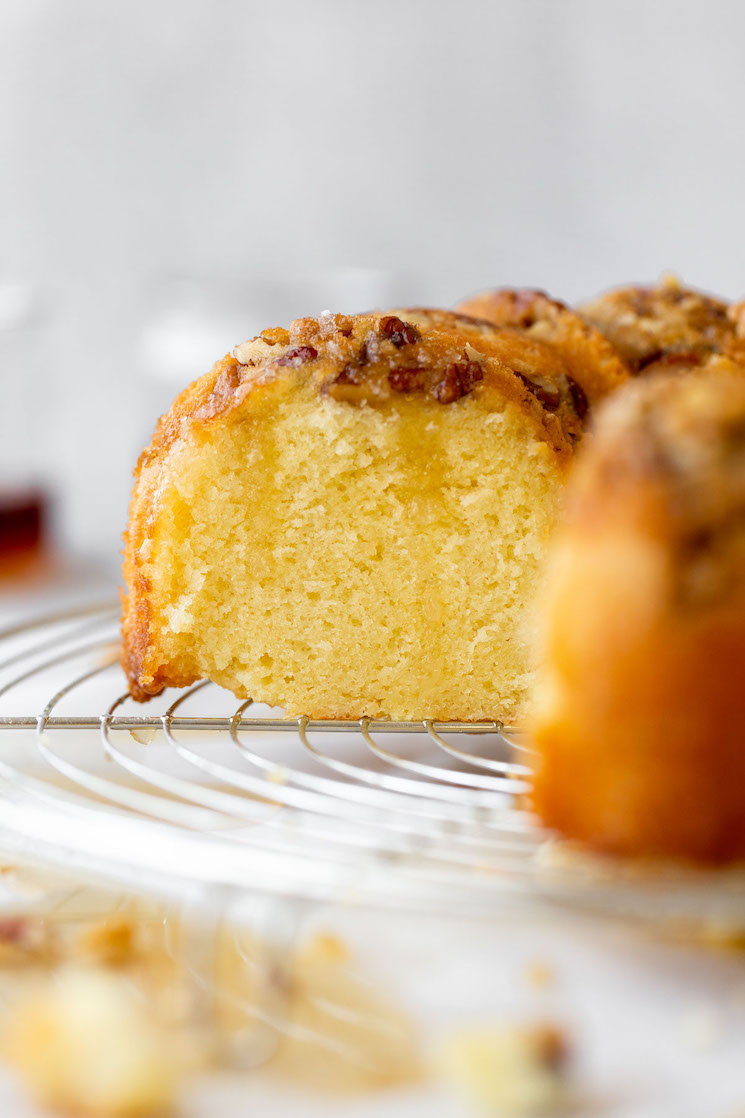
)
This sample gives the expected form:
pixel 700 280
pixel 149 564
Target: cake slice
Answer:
pixel 349 518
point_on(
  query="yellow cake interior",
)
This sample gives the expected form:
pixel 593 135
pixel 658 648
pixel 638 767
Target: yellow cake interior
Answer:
pixel 379 559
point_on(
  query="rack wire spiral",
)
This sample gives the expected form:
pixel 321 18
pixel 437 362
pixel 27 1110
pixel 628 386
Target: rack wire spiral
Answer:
pixel 196 795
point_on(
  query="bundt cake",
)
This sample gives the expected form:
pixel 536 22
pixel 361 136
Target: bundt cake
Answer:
pixel 667 327
pixel 592 360
pixel 639 722
pixel 349 518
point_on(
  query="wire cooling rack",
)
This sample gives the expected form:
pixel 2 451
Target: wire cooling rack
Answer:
pixel 190 793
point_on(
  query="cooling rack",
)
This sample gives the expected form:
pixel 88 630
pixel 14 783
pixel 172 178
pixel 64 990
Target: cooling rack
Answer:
pixel 191 796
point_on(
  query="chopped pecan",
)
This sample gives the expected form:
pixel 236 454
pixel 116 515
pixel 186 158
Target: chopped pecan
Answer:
pixel 227 382
pixel 406 380
pixel 459 379
pixel 398 331
pixel 523 305
pixel 668 358
pixel 578 397
pixel 275 336
pixel 13 929
pixel 298 356
pixel 349 375
pixel 545 392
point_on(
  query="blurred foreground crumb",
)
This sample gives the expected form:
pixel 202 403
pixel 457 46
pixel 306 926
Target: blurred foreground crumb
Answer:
pixel 110 942
pixel 86 1045
pixel 540 975
pixel 107 1004
pixel 519 1070
pixel 342 1033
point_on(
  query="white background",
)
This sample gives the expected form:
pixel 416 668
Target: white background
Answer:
pixel 168 155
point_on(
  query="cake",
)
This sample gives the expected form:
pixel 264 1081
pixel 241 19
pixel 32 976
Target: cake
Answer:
pixel 639 723
pixel 349 518
pixel 594 361
pixel 668 327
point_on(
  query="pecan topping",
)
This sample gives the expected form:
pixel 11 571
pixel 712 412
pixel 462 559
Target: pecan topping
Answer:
pixel 298 356
pixel 348 375
pixel 13 929
pixel 275 335
pixel 669 358
pixel 227 382
pixel 458 381
pixel 398 331
pixel 545 392
pixel 523 304
pixel 406 380
pixel 579 400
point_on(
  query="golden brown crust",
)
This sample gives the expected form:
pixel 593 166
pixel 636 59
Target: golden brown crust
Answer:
pixel 686 444
pixel 640 723
pixel 666 327
pixel 592 360
pixel 364 361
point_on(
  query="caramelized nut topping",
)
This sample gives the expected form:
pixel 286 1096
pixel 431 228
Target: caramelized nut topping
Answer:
pixel 578 397
pixel 458 381
pixel 406 380
pixel 227 382
pixel 545 392
pixel 669 358
pixel 275 336
pixel 398 331
pixel 13 929
pixel 348 375
pixel 523 304
pixel 298 356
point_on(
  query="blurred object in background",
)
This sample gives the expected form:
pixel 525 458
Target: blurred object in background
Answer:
pixel 23 529
pixel 25 476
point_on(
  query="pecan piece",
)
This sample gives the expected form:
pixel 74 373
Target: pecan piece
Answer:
pixel 275 336
pixel 668 358
pixel 458 381
pixel 545 392
pixel 406 380
pixel 13 929
pixel 298 356
pixel 398 332
pixel 348 375
pixel 523 306
pixel 578 398
pixel 227 382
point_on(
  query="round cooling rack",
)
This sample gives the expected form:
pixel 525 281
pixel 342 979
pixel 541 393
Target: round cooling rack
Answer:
pixel 190 793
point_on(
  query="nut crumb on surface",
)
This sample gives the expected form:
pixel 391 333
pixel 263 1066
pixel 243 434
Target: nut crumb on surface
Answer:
pixel 514 1070
pixel 24 939
pixel 85 1045
pixel 111 941
pixel 540 975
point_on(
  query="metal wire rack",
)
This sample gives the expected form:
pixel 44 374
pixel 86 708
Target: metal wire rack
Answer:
pixel 194 794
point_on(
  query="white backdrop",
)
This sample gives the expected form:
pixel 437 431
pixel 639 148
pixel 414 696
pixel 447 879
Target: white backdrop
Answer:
pixel 165 161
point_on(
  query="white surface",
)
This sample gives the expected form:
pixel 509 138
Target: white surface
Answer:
pixel 658 1029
